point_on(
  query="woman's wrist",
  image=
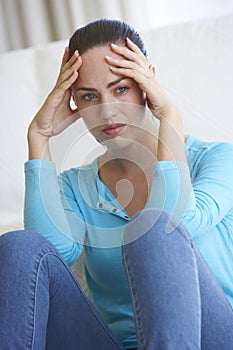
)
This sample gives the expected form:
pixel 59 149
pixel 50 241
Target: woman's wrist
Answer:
pixel 38 145
pixel 171 145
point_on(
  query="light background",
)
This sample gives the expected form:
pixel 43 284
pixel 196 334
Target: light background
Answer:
pixel 194 63
pixel 25 23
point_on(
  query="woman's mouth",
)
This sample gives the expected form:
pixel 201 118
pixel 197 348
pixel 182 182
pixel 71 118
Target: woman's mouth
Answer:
pixel 113 129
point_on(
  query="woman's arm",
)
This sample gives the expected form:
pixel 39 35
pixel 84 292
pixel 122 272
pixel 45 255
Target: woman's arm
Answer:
pixel 51 210
pixel 204 202
pixel 56 114
pixel 46 210
pixel 213 189
pixel 45 205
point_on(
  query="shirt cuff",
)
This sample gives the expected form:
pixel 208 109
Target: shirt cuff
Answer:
pixel 39 164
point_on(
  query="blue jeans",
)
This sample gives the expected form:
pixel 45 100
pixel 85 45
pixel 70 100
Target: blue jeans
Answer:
pixel 177 302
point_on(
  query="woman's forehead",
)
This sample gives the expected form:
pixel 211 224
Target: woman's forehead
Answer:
pixel 98 54
pixel 95 67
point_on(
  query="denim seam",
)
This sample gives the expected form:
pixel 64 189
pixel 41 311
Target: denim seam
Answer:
pixel 220 290
pixel 37 267
pixel 85 298
pixel 184 233
pixel 138 318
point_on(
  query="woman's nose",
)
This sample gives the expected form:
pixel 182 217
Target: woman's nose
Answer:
pixel 107 111
pixel 108 107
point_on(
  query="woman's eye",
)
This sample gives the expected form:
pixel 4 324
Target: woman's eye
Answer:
pixel 122 89
pixel 89 97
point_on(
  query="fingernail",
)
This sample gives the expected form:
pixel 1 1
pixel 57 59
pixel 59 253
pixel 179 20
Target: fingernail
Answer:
pixel 113 45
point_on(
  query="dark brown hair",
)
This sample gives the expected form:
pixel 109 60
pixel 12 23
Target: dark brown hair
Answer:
pixel 102 32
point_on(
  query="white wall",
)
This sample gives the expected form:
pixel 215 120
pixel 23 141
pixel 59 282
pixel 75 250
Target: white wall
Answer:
pixel 25 23
pixel 164 12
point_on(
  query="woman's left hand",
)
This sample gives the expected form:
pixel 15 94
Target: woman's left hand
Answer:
pixel 134 65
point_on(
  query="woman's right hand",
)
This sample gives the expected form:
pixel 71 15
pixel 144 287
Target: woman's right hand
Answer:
pixel 56 114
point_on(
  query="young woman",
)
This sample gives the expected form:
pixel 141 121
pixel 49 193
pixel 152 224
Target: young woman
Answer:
pixel 140 210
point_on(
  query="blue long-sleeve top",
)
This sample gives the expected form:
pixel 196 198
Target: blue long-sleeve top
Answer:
pixel 76 209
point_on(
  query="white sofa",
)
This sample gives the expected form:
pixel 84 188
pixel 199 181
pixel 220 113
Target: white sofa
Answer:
pixel 194 63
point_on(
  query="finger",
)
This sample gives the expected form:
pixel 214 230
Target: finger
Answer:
pixel 127 53
pixel 66 56
pixel 138 75
pixel 68 72
pixel 132 53
pixel 61 89
pixel 125 63
pixel 120 66
pixel 120 63
pixel 132 46
pixel 68 82
pixel 69 69
pixel 70 61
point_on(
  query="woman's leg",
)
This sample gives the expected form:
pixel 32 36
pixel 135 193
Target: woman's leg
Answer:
pixel 41 303
pixel 177 302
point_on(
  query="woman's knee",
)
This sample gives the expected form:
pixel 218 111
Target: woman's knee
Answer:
pixel 158 237
pixel 16 244
pixel 154 224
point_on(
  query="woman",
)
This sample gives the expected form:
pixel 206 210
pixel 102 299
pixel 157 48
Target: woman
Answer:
pixel 148 285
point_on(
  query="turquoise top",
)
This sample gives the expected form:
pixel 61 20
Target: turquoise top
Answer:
pixel 76 209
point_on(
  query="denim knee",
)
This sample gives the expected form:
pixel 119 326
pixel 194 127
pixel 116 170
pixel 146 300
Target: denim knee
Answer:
pixel 16 245
pixel 152 220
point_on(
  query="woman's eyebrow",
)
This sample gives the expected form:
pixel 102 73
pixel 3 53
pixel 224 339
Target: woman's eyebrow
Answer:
pixel 85 89
pixel 111 84
pixel 115 82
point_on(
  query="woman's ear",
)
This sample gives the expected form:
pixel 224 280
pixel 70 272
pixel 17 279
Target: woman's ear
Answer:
pixel 152 70
pixel 73 103
pixel 144 97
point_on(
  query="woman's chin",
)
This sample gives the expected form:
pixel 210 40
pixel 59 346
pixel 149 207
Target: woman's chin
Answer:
pixel 117 143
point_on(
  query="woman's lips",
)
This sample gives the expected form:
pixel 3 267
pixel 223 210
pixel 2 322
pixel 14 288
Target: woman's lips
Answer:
pixel 113 129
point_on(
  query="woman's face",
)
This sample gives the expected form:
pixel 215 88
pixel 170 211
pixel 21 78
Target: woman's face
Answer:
pixel 112 106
